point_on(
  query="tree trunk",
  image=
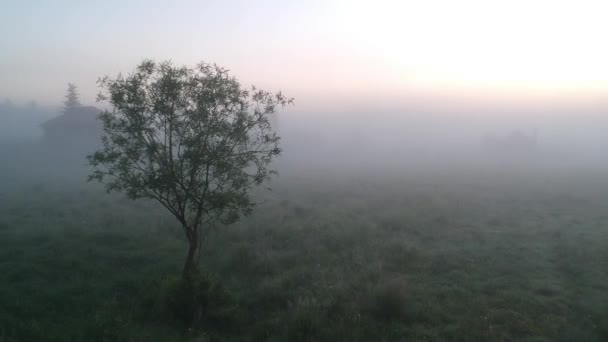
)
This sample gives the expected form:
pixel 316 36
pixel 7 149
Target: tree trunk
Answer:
pixel 191 264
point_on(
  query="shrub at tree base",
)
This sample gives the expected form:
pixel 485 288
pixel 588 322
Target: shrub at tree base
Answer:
pixel 390 301
pixel 199 304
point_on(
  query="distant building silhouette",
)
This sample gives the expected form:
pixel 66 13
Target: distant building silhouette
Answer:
pixel 76 129
pixel 514 142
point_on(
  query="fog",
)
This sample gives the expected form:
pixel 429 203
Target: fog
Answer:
pixel 22 122
pixel 392 87
pixel 399 142
pixel 443 174
pixel 445 140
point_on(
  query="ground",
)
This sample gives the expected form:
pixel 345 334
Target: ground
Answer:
pixel 325 257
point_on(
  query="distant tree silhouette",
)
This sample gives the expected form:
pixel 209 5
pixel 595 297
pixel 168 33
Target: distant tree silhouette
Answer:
pixel 72 99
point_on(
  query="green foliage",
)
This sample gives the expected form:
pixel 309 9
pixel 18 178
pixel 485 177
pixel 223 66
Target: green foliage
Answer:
pixel 190 138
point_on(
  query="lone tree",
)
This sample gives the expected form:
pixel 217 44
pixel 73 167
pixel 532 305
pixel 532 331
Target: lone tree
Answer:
pixel 190 138
pixel 72 99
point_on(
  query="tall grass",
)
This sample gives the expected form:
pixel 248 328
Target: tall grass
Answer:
pixel 319 260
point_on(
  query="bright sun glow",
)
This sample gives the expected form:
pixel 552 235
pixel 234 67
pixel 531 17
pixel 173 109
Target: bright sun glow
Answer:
pixel 510 44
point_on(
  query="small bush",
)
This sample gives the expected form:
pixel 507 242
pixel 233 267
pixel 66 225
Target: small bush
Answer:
pixel 200 303
pixel 305 325
pixel 389 301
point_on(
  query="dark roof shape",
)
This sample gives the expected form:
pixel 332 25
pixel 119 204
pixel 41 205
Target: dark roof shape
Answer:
pixel 79 117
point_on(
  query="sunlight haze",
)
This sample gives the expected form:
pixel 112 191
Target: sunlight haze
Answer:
pixel 322 51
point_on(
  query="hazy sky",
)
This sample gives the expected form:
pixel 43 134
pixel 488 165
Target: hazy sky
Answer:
pixel 347 53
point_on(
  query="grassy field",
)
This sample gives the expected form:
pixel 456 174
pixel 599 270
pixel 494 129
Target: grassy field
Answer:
pixel 325 257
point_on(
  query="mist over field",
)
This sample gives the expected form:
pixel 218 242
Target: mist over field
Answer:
pixel 425 224
pixel 442 176
pixel 419 222
pixel 385 143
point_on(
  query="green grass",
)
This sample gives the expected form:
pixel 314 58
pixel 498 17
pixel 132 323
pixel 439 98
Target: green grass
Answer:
pixel 354 259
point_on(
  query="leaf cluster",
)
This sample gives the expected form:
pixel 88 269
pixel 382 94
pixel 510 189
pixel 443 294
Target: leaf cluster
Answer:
pixel 191 138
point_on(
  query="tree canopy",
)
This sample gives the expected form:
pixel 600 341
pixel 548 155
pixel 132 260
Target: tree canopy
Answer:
pixel 191 138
